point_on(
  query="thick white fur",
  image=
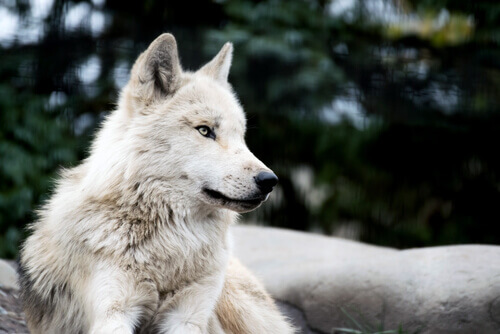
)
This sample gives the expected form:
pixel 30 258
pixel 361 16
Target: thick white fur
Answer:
pixel 129 242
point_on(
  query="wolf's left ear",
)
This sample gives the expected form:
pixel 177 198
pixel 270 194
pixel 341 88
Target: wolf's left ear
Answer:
pixel 218 68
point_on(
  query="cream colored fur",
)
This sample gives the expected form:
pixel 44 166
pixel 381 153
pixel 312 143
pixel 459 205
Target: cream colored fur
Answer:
pixel 131 241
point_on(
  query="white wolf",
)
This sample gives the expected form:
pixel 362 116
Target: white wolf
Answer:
pixel 135 239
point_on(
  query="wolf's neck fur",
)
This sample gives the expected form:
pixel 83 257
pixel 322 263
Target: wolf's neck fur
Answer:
pixel 141 209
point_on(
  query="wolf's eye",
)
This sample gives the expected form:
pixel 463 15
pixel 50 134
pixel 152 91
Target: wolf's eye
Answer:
pixel 205 131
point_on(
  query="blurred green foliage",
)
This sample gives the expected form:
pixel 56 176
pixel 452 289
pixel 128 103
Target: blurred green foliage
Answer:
pixel 381 117
pixel 33 144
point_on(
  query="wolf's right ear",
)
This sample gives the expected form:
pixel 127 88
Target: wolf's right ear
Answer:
pixel 156 73
pixel 218 67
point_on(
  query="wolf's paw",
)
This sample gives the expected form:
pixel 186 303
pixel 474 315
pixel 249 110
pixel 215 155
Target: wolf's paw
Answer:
pixel 186 328
pixel 110 329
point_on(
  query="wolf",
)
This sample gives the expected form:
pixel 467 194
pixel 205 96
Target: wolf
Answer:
pixel 135 239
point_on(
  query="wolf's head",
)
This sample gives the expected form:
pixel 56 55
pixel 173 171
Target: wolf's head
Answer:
pixel 187 129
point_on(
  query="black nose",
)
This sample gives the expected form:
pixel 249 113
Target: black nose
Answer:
pixel 266 181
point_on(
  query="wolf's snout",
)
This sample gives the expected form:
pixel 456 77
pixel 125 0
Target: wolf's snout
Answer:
pixel 266 181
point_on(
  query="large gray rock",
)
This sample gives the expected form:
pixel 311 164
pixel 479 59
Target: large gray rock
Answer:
pixel 338 283
pixel 8 276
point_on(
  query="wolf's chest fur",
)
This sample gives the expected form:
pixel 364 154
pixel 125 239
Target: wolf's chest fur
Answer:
pixel 172 260
pixel 154 242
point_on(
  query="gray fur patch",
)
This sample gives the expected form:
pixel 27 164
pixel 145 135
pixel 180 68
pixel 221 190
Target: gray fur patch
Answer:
pixel 36 307
pixel 39 309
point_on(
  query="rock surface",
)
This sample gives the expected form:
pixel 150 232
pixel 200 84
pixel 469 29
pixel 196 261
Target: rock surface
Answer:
pixel 11 313
pixel 8 276
pixel 326 283
pixel 344 284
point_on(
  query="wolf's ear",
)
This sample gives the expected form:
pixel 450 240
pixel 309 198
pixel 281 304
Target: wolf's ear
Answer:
pixel 157 71
pixel 218 68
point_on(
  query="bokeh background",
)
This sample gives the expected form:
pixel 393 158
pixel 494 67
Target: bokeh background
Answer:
pixel 381 117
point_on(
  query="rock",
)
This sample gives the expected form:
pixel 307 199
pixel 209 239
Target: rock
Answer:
pixel 343 284
pixel 8 276
pixel 11 313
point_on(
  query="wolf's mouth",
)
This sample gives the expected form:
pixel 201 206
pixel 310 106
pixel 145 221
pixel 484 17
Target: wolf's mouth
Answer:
pixel 247 203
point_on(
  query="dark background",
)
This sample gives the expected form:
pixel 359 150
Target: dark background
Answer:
pixel 381 117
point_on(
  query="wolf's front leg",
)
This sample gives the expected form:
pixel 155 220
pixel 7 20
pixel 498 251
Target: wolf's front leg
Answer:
pixel 115 301
pixel 192 307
